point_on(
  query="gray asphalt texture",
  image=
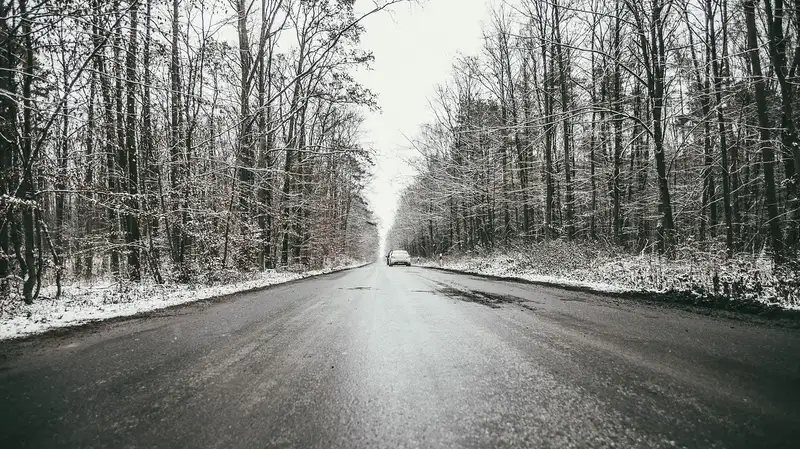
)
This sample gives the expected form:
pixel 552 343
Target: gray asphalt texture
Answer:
pixel 399 357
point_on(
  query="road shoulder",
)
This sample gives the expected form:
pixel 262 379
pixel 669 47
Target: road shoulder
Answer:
pixel 718 306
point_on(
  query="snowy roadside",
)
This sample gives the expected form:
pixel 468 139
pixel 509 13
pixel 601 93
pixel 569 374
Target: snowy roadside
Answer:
pixel 743 283
pixel 80 304
pixel 504 272
pixel 501 270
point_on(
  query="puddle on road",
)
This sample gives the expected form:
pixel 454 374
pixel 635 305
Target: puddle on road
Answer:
pixel 487 299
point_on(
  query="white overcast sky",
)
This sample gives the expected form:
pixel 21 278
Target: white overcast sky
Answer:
pixel 415 47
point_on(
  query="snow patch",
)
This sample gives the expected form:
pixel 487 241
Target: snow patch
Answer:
pixel 82 303
pixel 700 274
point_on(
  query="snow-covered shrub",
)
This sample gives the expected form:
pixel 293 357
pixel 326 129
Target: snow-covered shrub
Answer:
pixel 105 298
pixel 704 274
pixel 216 275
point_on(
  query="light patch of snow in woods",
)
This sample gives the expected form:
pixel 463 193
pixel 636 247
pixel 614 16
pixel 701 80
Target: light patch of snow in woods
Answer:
pixel 503 266
pixel 98 301
pixel 751 278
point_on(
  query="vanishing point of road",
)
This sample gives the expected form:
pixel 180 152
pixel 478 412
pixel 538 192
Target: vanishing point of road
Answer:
pixel 381 357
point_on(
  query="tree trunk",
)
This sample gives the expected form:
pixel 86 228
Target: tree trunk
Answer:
pixel 723 134
pixel 767 152
pixel 245 150
pixel 8 147
pixel 132 234
pixel 27 187
pixel 563 69
pixel 548 144
pixel 790 145
pixel 616 107
pixel 656 89
pixel 177 169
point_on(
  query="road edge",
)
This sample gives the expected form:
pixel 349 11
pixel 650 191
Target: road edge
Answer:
pixel 684 300
pixel 67 331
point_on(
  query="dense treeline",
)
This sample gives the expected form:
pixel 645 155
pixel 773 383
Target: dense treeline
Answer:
pixel 166 139
pixel 645 124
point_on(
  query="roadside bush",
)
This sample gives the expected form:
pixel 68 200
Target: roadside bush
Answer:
pixel 692 272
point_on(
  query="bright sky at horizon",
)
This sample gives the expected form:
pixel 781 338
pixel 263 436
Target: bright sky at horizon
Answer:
pixel 415 46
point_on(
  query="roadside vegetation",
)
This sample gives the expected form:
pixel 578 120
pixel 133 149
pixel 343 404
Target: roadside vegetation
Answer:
pixel 179 141
pixel 747 282
pixel 642 145
pixel 84 302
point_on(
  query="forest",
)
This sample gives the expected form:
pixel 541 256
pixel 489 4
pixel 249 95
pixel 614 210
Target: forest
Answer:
pixel 169 140
pixel 664 127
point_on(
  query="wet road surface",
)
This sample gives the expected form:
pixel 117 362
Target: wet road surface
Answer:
pixel 399 357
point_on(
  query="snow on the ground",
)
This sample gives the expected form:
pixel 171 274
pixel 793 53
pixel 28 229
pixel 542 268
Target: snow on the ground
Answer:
pixel 743 278
pixel 99 301
pixel 504 271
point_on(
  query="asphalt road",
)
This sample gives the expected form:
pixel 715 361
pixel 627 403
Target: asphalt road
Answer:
pixel 399 357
